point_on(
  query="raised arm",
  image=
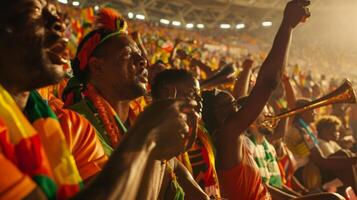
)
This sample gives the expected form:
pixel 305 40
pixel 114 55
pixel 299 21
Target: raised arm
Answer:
pixel 241 86
pixel 271 70
pixel 137 38
pixel 173 52
pixel 202 66
pixel 289 91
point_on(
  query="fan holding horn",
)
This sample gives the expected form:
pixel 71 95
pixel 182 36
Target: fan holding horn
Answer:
pixel 308 144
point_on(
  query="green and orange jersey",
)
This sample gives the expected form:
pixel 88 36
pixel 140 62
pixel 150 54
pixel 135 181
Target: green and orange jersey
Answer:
pixel 81 100
pixel 53 147
pixel 35 148
pixel 81 139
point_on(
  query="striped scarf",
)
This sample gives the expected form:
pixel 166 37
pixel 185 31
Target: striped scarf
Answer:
pixel 38 149
pixel 267 162
pixel 200 161
pixel 174 185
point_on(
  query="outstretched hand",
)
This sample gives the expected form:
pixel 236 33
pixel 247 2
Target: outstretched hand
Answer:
pixel 296 11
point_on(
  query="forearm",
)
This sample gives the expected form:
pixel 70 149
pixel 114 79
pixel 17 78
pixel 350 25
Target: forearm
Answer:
pixel 267 81
pixel 278 194
pixel 122 175
pixel 173 54
pixel 338 163
pixel 290 94
pixel 332 163
pixel 272 68
pixel 205 68
pixel 241 85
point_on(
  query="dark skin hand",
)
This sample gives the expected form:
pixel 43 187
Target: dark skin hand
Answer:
pixel 194 62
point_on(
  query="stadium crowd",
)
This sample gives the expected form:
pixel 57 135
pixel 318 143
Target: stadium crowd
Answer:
pixel 97 106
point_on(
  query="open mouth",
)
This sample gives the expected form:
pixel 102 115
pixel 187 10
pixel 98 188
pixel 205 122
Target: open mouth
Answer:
pixel 143 76
pixel 57 52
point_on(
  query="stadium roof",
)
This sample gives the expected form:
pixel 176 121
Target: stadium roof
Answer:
pixel 212 13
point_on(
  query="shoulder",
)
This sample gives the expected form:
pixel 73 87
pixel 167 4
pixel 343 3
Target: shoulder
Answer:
pixel 248 144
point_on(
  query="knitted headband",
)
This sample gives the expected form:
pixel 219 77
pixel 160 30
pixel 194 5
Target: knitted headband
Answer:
pixel 109 23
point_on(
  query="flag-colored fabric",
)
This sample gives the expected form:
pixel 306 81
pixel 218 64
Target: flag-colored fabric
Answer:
pixel 51 91
pixel 135 108
pixel 179 194
pixel 24 146
pixel 87 15
pixel 62 163
pixel 288 166
pixel 14 184
pixel 39 150
pixel 200 161
pixel 81 139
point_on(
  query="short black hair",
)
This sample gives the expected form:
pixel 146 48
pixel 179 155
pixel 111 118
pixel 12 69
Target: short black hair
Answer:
pixel 326 122
pixel 169 77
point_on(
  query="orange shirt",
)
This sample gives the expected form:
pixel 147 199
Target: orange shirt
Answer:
pixel 81 139
pixel 243 181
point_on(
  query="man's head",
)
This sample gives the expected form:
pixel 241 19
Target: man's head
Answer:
pixel 109 59
pixel 178 84
pixel 328 127
pixel 32 50
pixel 307 116
pixel 257 128
pixel 217 106
pixel 154 69
pixel 175 83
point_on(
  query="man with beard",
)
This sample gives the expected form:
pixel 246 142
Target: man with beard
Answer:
pixel 103 85
pixel 110 71
pixel 34 160
pixel 264 153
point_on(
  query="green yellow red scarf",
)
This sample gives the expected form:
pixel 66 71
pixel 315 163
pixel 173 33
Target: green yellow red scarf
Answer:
pixel 38 149
pixel 206 178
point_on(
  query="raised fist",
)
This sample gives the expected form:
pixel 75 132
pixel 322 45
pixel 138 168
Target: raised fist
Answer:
pixel 296 11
